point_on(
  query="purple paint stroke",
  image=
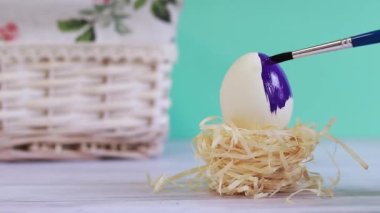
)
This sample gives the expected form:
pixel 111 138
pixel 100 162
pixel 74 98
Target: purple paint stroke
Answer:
pixel 276 85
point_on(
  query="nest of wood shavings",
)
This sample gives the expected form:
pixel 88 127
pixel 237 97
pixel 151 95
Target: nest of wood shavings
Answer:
pixel 258 163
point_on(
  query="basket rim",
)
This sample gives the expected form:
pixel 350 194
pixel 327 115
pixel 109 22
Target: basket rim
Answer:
pixel 83 44
pixel 158 52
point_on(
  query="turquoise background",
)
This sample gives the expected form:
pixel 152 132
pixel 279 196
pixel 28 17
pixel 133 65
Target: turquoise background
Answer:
pixel 345 84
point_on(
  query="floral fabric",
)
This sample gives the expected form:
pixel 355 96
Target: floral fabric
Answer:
pixel 99 21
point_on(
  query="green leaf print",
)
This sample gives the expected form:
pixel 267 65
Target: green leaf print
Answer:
pixel 160 10
pixel 121 28
pixel 100 7
pixel 71 24
pixel 88 35
pixel 138 4
pixel 107 13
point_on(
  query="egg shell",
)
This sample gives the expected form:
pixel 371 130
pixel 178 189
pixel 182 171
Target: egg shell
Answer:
pixel 256 93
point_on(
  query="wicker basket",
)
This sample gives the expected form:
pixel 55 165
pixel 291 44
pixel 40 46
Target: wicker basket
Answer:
pixel 83 101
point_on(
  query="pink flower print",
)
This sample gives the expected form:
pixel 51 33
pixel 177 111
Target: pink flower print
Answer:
pixel 9 31
pixel 11 27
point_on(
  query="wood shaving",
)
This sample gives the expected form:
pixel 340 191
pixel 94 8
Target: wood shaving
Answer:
pixel 258 163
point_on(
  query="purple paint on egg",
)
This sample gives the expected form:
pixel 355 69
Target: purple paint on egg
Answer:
pixel 276 85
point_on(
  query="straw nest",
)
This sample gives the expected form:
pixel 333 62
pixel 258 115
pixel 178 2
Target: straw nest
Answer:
pixel 258 163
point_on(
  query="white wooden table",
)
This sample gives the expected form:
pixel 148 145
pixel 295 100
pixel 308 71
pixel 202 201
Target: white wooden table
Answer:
pixel 120 186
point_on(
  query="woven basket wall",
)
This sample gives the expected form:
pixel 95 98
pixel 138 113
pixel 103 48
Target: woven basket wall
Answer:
pixel 83 101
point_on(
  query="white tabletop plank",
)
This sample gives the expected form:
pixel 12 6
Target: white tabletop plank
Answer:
pixel 121 186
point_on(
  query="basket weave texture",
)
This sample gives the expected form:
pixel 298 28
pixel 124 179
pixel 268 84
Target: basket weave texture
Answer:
pixel 83 101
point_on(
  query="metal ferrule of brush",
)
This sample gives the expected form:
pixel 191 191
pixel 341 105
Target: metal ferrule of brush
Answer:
pixel 331 46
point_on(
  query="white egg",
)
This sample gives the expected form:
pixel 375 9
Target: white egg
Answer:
pixel 256 93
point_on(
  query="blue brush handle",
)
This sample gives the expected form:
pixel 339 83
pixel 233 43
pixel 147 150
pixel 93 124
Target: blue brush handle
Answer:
pixel 355 41
pixel 366 38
